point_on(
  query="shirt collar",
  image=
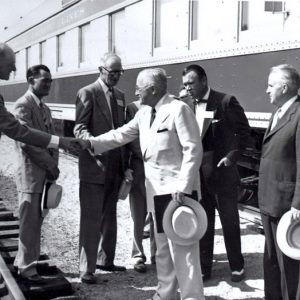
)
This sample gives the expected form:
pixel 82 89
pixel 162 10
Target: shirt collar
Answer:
pixel 35 97
pixel 105 88
pixel 287 105
pixel 160 102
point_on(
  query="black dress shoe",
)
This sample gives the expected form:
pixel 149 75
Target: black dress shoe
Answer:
pixel 88 278
pixel 237 276
pixel 140 267
pixel 33 279
pixel 112 268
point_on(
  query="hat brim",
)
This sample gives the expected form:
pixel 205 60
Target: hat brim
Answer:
pixel 284 228
pixel 200 216
pixel 51 195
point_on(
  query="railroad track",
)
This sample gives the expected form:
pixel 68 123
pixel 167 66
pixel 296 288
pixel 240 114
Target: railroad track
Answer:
pixel 56 286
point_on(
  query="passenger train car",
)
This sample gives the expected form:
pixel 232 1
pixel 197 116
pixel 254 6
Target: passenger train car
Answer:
pixel 235 41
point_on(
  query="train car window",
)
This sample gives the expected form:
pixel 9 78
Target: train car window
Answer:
pixel 244 15
pixel 84 43
pixel 118 33
pixel 195 19
pixel 43 53
pixel 273 6
pixel 29 57
pixel 171 14
pixel 61 50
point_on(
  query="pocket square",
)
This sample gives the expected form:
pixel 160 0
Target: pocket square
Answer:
pixel 215 121
pixel 162 130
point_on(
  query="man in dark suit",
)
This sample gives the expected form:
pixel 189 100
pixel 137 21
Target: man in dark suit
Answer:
pixel 224 131
pixel 12 128
pixel 137 198
pixel 100 107
pixel 279 180
pixel 35 165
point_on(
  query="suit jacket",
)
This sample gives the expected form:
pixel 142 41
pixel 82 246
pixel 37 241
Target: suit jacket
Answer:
pixel 33 161
pixel 171 148
pixel 93 118
pixel 223 136
pixel 279 173
pixel 13 129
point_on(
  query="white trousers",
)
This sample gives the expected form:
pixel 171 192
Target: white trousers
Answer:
pixel 177 266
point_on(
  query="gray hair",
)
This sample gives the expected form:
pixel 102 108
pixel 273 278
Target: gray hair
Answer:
pixel 108 56
pixel 289 75
pixel 155 76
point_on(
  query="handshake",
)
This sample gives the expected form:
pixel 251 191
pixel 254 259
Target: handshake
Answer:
pixel 74 144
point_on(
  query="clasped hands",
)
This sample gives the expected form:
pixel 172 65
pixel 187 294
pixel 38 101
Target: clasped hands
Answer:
pixel 74 144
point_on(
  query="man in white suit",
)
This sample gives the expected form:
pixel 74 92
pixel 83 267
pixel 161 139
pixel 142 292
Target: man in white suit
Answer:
pixel 172 153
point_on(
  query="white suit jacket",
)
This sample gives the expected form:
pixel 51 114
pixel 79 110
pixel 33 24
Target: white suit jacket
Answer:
pixel 171 148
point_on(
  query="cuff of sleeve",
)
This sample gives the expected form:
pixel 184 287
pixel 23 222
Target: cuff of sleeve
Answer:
pixel 54 141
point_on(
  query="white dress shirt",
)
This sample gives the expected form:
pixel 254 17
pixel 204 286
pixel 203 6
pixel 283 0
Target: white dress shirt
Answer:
pixel 200 110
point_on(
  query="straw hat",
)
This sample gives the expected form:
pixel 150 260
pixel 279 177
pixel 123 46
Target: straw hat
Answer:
pixel 185 224
pixel 288 236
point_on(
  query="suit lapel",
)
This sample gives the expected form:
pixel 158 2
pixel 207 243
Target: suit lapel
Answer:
pixel 37 112
pixel 211 106
pixel 102 102
pixel 283 121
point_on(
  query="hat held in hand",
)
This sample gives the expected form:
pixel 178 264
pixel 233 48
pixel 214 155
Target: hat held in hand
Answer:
pixel 288 236
pixel 51 195
pixel 185 224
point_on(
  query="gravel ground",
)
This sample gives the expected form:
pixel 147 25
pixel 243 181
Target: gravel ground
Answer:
pixel 60 242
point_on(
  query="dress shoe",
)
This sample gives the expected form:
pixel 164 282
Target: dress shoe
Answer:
pixel 33 279
pixel 140 267
pixel 112 268
pixel 88 278
pixel 237 276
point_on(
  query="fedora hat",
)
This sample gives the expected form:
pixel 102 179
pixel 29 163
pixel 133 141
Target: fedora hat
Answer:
pixel 185 224
pixel 51 195
pixel 288 236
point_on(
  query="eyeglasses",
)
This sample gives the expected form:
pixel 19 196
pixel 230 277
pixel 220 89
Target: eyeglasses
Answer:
pixel 110 72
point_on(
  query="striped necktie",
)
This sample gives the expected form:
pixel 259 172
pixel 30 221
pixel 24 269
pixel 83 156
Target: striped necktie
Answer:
pixel 114 108
pixel 153 115
pixel 45 117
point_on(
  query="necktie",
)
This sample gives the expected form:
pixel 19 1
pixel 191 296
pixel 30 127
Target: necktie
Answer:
pixel 276 118
pixel 114 108
pixel 197 101
pixel 45 117
pixel 153 114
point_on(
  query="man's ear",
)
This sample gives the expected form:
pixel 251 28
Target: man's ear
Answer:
pixel 30 80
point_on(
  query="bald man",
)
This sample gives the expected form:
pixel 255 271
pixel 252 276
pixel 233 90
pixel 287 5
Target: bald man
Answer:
pixel 11 127
pixel 99 108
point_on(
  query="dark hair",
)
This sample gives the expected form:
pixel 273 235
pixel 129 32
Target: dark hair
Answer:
pixel 35 70
pixel 197 69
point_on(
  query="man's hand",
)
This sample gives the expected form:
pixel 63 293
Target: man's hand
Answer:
pixel 128 175
pixel 178 197
pixel 295 214
pixel 52 174
pixel 226 162
pixel 73 144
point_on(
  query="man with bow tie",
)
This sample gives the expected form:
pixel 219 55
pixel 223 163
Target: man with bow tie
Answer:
pixel 224 131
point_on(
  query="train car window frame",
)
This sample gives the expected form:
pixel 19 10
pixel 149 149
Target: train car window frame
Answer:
pixel 84 42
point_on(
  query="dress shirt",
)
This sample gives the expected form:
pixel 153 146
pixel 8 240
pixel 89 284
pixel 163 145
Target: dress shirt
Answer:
pixel 54 141
pixel 282 110
pixel 107 94
pixel 200 109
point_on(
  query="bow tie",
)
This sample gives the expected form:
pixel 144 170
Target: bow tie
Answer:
pixel 197 101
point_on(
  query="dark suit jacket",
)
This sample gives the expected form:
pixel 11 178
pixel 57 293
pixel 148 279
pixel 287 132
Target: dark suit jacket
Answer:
pixel 93 118
pixel 223 136
pixel 33 162
pixel 13 129
pixel 279 174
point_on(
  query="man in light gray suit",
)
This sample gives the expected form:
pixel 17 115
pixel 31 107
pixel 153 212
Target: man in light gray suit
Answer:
pixel 35 166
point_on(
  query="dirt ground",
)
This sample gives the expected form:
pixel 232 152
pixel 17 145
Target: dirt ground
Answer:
pixel 60 242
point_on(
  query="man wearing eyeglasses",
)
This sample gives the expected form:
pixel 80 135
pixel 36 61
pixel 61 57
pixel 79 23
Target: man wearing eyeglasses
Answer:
pixel 99 108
